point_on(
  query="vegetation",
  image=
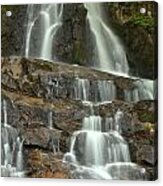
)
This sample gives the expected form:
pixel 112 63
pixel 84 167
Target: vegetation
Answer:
pixel 146 117
pixel 142 20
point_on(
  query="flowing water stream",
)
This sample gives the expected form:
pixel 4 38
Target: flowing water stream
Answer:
pixel 43 24
pixel 111 55
pixel 98 150
pixel 12 149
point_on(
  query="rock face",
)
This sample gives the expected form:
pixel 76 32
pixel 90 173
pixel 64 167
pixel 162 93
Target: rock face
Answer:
pixel 50 81
pixel 41 106
pixel 13 30
pixel 70 45
pixel 129 24
pixel 46 165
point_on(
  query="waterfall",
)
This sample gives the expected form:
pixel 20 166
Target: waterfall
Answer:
pixel 105 153
pixel 144 90
pixel 111 55
pixel 103 91
pixel 98 150
pixel 43 23
pixel 94 91
pixel 55 142
pixel 19 160
pixel 107 91
pixel 82 89
pixel 12 149
pixel 50 121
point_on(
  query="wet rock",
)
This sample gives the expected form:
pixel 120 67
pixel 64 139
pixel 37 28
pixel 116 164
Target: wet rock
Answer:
pixel 129 24
pixel 146 154
pixel 46 165
pixel 50 81
pixel 31 117
pixel 13 30
pixel 40 137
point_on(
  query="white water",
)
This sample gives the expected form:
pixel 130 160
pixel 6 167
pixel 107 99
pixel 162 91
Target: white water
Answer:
pixel 55 141
pixel 50 121
pixel 111 55
pixel 82 89
pixel 98 151
pixel 12 149
pixel 43 24
pixel 19 160
pixel 95 91
pixel 103 91
pixel 107 90
pixel 144 90
pixel 105 153
pixel 39 39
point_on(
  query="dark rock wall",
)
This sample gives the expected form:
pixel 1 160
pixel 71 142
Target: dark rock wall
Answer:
pixel 70 43
pixel 138 32
pixel 13 30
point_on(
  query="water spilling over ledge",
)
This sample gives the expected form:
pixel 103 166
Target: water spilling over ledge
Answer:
pixel 111 55
pixel 12 149
pixel 39 41
pixel 101 152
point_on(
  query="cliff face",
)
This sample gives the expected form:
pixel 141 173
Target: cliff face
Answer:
pixel 138 32
pixel 45 114
pixel 74 42
pixel 13 30
pixel 70 43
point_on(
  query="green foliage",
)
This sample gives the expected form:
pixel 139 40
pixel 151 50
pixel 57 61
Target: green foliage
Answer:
pixel 143 20
pixel 146 117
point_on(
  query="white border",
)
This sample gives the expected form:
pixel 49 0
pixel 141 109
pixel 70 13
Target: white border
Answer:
pixel 52 182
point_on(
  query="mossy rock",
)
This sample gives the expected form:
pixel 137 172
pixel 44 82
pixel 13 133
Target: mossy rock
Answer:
pixel 146 116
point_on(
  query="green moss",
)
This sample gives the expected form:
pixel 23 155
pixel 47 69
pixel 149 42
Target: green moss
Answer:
pixel 79 53
pixel 142 20
pixel 146 117
pixel 44 65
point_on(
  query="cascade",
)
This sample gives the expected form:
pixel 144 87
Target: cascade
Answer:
pixel 98 150
pixel 94 91
pixel 42 25
pixel 111 55
pixel 50 121
pixel 12 149
pixel 39 39
pixel 55 142
pixel 105 153
pixel 55 145
pixel 82 88
pixel 144 90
